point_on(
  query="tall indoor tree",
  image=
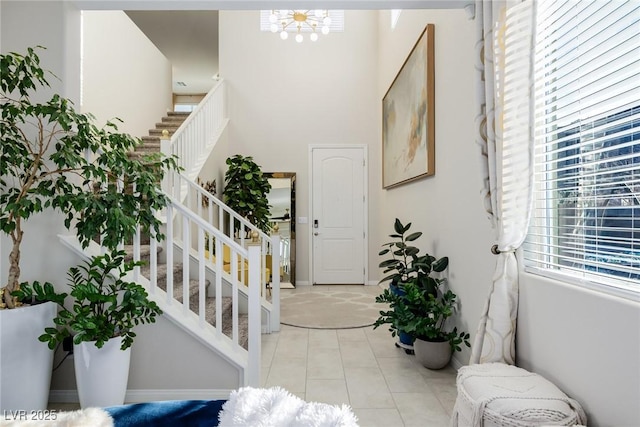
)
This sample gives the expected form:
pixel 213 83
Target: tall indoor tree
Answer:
pixel 55 157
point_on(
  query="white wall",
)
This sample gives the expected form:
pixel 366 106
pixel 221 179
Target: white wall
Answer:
pixel 284 96
pixel 124 74
pixel 215 166
pixel 587 343
pixel 447 207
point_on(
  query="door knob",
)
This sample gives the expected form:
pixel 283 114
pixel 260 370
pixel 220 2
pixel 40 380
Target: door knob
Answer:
pixel 316 233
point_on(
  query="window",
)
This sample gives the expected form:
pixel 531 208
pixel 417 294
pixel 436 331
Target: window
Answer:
pixel 586 216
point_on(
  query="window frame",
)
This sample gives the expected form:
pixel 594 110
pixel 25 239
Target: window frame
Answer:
pixel 550 222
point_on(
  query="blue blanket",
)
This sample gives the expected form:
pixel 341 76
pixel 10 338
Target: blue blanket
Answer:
pixel 170 413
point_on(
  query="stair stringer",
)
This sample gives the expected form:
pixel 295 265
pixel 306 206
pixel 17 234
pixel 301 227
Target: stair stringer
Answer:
pixel 186 320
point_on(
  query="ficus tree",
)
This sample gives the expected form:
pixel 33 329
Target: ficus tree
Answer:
pixel 246 189
pixel 53 156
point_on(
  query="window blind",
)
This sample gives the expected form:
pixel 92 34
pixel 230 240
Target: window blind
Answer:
pixel 586 216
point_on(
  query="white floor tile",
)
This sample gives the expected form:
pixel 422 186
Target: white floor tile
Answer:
pixel 421 410
pixel 333 392
pixel 368 388
pixel 323 338
pixel 350 335
pixel 325 363
pixel 362 368
pixel 378 417
pixel 357 354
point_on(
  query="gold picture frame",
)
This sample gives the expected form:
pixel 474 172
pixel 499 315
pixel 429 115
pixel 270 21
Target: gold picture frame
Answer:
pixel 408 127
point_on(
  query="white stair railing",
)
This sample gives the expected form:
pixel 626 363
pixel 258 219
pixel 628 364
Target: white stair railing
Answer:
pixel 199 133
pixel 188 227
pixel 239 229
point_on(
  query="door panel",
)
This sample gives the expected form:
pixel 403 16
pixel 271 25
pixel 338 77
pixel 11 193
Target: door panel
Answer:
pixel 338 204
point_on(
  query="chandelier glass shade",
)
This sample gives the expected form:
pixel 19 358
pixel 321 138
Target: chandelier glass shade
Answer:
pixel 299 22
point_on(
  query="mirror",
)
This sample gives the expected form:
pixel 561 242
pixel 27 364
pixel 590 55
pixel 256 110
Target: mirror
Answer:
pixel 282 199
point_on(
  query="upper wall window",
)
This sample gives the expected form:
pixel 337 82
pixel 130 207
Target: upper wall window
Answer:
pixel 585 224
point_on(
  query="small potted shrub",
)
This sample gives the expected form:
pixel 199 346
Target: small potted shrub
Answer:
pixel 423 316
pixel 105 307
pixel 426 321
pixel 404 265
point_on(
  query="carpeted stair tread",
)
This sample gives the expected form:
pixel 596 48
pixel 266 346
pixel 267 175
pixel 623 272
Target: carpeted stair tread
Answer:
pixel 138 154
pixel 174 119
pixel 184 114
pixel 168 125
pixel 227 317
pixel 158 132
pixel 145 252
pixel 149 138
pixel 210 310
pixel 149 146
pixel 177 280
pixel 151 143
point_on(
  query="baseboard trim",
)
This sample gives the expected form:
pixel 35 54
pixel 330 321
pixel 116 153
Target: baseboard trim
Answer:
pixel 134 396
pixel 302 283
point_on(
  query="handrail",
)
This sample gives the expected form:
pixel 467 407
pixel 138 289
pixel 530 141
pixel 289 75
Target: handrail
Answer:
pixel 198 133
pixel 199 107
pixel 206 226
pixel 193 195
pixel 183 182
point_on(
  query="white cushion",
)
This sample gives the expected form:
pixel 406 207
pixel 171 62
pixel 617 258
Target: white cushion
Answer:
pixel 495 394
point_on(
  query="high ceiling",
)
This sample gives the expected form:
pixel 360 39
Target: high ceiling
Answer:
pixel 189 40
pixel 186 31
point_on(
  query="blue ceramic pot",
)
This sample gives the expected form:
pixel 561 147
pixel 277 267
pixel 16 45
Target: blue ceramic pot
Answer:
pixel 405 338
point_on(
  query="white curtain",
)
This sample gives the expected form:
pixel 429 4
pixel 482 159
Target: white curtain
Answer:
pixel 504 123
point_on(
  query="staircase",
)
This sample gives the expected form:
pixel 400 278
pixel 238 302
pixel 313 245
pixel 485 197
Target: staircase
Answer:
pixel 193 293
pixel 223 305
pixel 151 143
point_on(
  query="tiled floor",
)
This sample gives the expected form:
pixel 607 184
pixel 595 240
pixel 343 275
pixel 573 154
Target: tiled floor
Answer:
pixel 362 368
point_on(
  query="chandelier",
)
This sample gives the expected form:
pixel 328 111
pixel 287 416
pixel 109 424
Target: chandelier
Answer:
pixel 301 21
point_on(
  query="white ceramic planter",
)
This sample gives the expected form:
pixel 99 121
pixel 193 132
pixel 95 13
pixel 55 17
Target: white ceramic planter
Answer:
pixel 25 362
pixel 432 355
pixel 101 373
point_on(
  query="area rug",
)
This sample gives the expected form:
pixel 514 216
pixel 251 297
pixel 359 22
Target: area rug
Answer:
pixel 330 306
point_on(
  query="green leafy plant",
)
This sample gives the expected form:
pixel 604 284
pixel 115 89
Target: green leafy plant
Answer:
pixel 422 315
pixel 406 264
pixel 104 305
pixel 417 307
pixel 55 157
pixel 246 190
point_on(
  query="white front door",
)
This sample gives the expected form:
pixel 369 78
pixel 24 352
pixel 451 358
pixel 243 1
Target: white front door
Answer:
pixel 338 215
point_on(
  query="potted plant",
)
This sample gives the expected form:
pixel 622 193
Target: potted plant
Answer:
pixel 425 317
pixel 406 265
pixel 104 310
pixel 246 190
pixel 53 157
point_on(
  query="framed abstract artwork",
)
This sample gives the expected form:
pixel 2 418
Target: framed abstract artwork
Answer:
pixel 408 128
